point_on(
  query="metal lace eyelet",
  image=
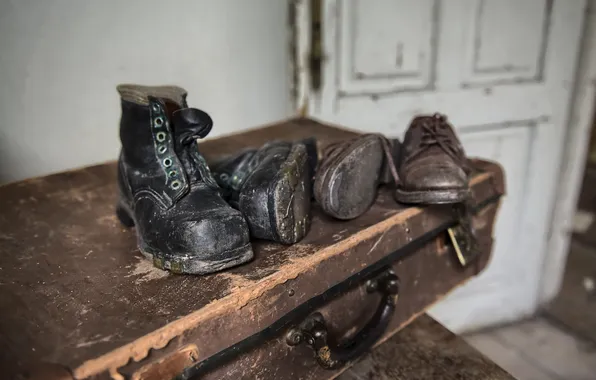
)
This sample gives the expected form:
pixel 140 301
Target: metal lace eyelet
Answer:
pixel 175 185
pixel 167 162
pixel 224 176
pixel 162 149
pixel 160 136
pixel 158 121
pixel 156 107
pixel 172 173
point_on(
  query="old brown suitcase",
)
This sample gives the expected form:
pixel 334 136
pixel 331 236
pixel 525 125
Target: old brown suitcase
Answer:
pixel 75 293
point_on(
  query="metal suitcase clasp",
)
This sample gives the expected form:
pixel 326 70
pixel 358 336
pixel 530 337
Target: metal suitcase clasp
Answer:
pixel 462 235
pixel 464 244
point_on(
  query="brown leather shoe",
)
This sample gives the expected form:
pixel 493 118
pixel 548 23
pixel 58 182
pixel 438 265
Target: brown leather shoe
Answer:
pixel 349 174
pixel 432 167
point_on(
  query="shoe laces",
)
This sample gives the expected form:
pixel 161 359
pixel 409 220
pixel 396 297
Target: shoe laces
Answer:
pixel 435 131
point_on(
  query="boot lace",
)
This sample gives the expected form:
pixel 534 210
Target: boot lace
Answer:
pixel 435 132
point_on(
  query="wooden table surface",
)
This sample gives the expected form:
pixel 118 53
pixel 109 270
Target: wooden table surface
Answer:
pixel 425 350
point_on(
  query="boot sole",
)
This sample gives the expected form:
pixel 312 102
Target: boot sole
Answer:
pixel 291 215
pixel 361 164
pixel 431 196
pixel 189 265
pixel 184 264
pixel 278 205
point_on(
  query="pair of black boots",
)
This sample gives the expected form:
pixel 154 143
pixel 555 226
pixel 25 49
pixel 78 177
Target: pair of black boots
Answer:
pixel 193 219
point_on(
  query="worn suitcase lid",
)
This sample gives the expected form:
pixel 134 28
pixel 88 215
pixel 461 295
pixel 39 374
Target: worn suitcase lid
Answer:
pixel 74 289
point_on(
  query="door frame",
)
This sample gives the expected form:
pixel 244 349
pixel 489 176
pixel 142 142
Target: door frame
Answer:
pixel 579 122
pixel 570 178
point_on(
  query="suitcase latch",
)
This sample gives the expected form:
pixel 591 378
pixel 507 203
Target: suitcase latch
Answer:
pixel 463 237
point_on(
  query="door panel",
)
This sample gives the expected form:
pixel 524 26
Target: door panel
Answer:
pixel 384 49
pixel 506 41
pixel 502 71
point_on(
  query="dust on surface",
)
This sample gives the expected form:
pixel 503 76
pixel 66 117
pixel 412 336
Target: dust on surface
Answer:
pixel 109 220
pixel 145 271
pixel 97 339
pixel 236 281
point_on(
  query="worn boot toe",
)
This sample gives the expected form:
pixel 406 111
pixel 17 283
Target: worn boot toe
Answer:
pixel 436 177
pixel 208 244
pixel 432 163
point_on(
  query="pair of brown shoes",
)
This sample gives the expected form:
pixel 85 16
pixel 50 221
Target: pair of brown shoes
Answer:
pixel 429 167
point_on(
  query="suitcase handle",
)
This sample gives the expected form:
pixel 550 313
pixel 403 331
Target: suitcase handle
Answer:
pixel 313 330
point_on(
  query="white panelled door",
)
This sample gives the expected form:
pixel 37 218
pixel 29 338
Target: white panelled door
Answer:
pixel 503 73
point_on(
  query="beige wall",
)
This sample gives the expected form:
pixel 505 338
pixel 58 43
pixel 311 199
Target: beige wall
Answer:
pixel 61 59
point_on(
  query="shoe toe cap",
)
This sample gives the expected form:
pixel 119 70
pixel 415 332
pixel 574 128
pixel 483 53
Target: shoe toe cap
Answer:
pixel 437 176
pixel 216 236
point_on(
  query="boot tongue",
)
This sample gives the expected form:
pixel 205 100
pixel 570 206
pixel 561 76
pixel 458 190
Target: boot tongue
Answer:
pixel 190 124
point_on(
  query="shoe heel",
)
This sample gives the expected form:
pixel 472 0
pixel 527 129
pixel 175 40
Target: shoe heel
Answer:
pixel 291 196
pixel 124 216
pixel 276 203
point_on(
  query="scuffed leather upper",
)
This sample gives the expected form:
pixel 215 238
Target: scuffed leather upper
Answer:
pixel 165 182
pixel 261 182
pixel 231 172
pixel 432 156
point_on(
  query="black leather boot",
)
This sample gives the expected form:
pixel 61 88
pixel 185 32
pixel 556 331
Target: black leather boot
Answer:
pixel 166 189
pixel 272 187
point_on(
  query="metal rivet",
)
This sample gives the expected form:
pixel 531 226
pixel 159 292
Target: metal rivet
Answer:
pixel 175 185
pixel 161 136
pixel 172 173
pixel 162 149
pixel 158 121
pixel 167 162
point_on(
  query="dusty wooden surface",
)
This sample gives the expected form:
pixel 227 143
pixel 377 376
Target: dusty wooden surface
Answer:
pixel 425 350
pixel 74 289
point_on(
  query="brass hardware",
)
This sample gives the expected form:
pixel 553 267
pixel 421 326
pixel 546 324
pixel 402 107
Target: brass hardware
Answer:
pixel 464 244
pixel 463 236
pixel 314 329
pixel 316 44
